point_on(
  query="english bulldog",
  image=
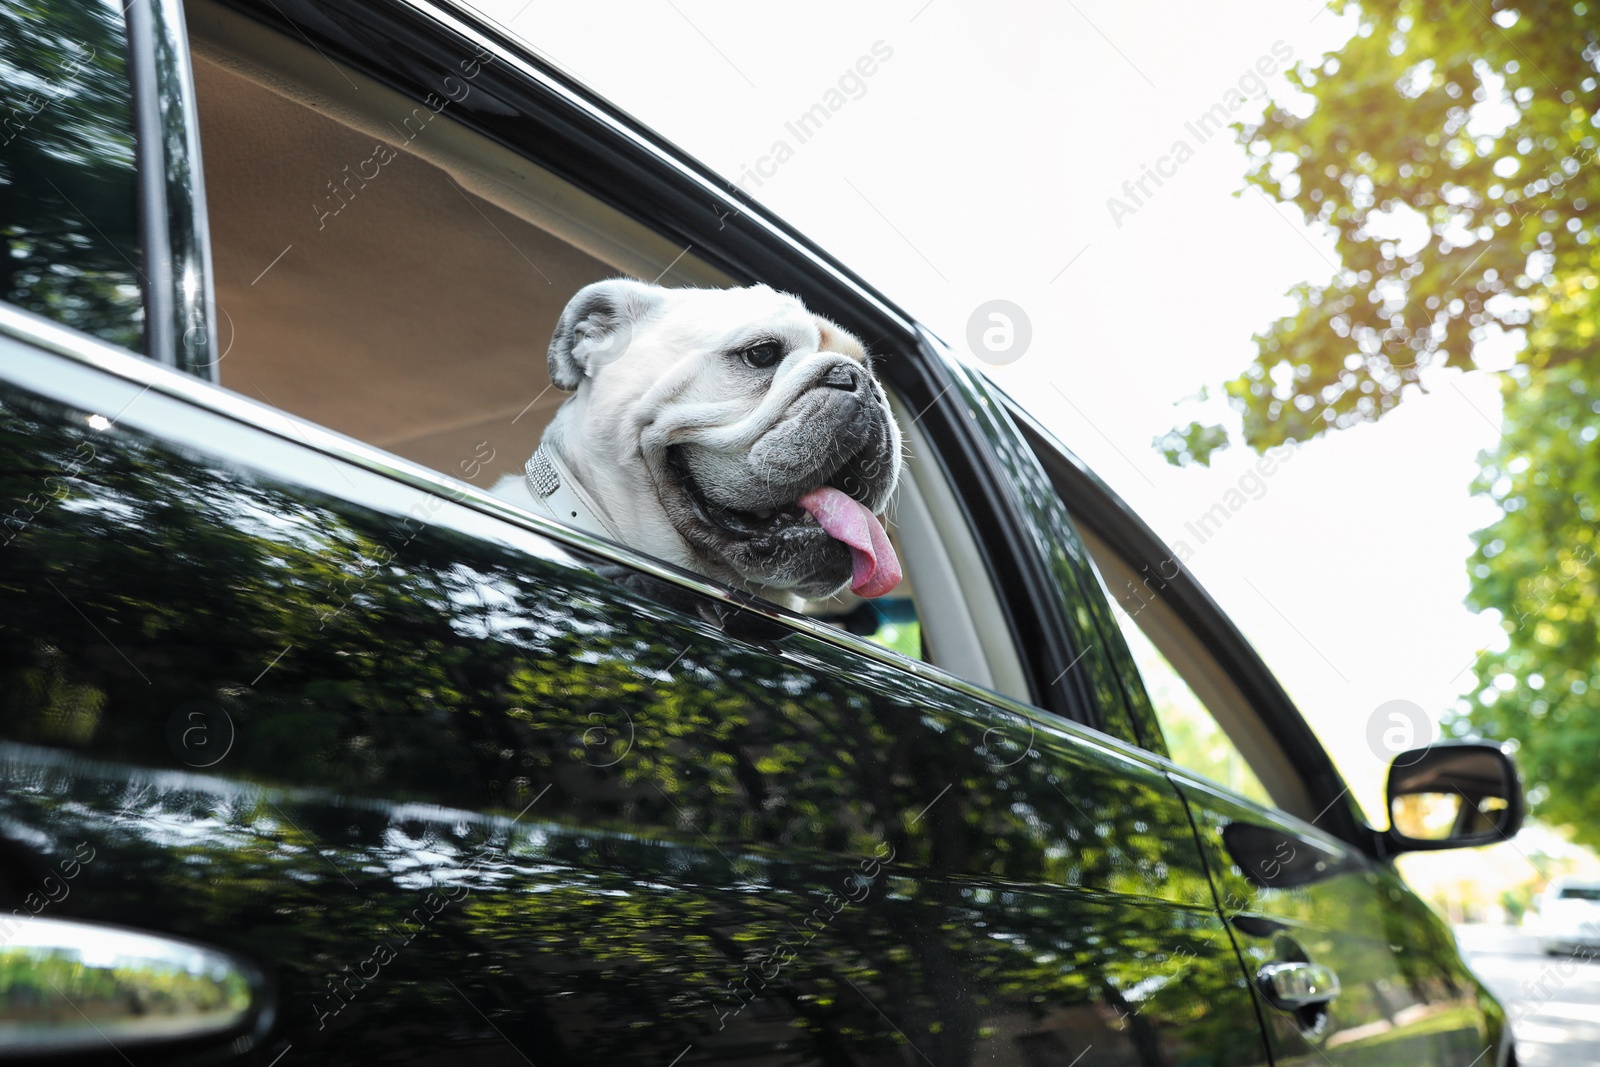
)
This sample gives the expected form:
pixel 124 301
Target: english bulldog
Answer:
pixel 729 431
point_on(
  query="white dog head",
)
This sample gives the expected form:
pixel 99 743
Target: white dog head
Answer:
pixel 730 431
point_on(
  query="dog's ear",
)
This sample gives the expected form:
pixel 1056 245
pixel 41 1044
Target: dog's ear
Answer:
pixel 836 338
pixel 597 327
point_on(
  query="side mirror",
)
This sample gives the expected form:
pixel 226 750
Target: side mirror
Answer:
pixel 1454 794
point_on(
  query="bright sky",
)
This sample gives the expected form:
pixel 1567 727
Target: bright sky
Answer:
pixel 975 163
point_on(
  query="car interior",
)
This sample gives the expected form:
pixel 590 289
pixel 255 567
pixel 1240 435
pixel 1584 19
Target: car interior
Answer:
pixel 389 274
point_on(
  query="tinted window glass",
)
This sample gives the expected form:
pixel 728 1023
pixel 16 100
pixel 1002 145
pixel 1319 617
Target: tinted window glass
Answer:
pixel 1194 737
pixel 68 211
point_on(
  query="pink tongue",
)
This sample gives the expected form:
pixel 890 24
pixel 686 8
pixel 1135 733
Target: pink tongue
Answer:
pixel 877 568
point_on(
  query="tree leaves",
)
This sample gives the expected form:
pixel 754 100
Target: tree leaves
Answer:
pixel 1451 152
pixel 1193 443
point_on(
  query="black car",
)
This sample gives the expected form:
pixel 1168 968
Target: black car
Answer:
pixel 316 752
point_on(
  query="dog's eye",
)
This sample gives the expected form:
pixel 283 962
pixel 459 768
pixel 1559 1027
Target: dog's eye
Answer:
pixel 763 355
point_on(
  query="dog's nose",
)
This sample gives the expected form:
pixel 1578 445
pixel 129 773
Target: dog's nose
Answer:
pixel 843 376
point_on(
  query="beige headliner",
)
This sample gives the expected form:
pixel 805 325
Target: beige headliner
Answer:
pixel 417 317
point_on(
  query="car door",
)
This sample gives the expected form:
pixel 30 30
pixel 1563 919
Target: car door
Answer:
pixel 1295 895
pixel 449 781
pixel 1297 873
pixel 454 785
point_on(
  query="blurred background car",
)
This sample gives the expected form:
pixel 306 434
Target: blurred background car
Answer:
pixel 1566 916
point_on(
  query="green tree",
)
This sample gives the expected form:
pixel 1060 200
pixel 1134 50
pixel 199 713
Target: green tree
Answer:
pixel 1451 151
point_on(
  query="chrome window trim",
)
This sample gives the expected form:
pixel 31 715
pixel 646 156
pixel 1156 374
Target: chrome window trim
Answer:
pixel 180 312
pixel 152 187
pixel 45 334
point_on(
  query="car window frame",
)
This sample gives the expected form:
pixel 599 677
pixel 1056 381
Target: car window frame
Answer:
pixel 634 171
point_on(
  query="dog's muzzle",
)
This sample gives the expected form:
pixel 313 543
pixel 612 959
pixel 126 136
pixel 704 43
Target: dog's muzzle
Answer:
pixel 797 509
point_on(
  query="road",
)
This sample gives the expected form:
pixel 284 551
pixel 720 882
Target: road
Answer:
pixel 1554 1001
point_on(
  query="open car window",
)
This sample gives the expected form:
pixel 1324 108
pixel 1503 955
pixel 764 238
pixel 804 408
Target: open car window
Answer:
pixel 389 273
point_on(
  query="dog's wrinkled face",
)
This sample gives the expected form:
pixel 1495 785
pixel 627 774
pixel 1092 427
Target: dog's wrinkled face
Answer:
pixel 730 430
